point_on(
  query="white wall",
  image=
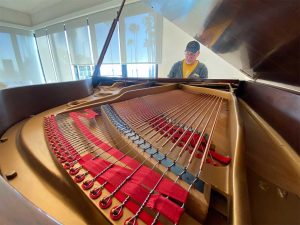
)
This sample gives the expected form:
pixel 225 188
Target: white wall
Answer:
pixel 174 42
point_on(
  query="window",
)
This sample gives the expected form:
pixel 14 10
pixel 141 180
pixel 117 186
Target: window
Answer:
pixel 78 40
pixel 45 56
pixel 8 64
pixel 141 70
pixel 19 62
pixel 141 35
pixel 83 71
pixel 111 70
pixel 100 24
pixel 60 53
pixel 74 46
pixel 29 58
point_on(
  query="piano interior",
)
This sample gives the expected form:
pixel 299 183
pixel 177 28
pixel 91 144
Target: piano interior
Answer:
pixel 163 151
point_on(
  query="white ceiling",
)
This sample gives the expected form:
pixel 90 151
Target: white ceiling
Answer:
pixel 29 6
pixel 37 12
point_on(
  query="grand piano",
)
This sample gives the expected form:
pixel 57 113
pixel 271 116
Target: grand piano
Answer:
pixel 259 125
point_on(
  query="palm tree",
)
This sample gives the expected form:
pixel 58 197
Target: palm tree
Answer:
pixel 134 28
pixel 150 37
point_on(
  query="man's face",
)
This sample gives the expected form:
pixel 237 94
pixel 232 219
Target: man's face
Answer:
pixel 191 57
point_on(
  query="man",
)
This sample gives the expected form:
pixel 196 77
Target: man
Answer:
pixel 190 67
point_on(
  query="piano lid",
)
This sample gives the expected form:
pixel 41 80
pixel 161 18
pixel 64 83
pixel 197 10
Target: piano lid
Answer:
pixel 259 37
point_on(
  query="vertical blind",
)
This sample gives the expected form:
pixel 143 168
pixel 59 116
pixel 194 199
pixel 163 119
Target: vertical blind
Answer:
pixel 60 53
pixel 100 24
pixel 141 34
pixel 78 40
pixel 45 56
pixel 29 60
pixel 137 40
pixel 19 63
pixel 8 62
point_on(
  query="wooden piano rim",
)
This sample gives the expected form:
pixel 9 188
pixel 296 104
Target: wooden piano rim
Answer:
pixel 237 204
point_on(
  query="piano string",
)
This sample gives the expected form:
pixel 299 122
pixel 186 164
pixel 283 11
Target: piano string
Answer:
pixel 173 117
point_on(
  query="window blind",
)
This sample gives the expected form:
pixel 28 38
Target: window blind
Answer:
pixel 30 64
pixel 60 54
pixel 141 34
pixel 78 40
pixel 46 60
pixel 100 24
pixel 19 63
pixel 9 67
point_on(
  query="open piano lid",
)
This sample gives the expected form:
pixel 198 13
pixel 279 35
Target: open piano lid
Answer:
pixel 261 38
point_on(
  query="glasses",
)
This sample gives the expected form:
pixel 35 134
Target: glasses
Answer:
pixel 190 54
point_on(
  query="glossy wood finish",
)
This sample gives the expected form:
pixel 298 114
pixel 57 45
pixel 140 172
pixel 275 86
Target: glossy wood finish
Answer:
pixel 39 179
pixel 192 81
pixel 41 167
pixel 280 108
pixel 259 37
pixel 19 103
pixel 273 172
pixel 254 95
pixel 12 204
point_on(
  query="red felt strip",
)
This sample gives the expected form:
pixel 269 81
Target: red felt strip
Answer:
pixel 114 152
pixel 95 166
pixel 95 169
pixel 135 191
pixel 166 207
pixel 148 177
pixel 145 176
pixel 133 207
pixel 131 188
pixel 223 159
pixel 91 113
pixel 163 123
pixel 116 175
pixel 85 158
pixel 125 159
pixel 172 190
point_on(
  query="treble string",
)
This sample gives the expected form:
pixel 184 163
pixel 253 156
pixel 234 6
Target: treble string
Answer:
pixel 153 189
pixel 133 218
pixel 141 122
pixel 176 115
pixel 97 148
pixel 152 108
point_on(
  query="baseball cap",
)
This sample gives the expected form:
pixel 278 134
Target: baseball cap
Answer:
pixel 192 46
